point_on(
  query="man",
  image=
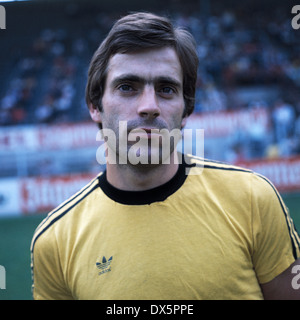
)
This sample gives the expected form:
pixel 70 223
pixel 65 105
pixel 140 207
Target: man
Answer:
pixel 148 230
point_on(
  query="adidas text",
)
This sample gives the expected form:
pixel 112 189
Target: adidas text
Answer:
pixel 104 271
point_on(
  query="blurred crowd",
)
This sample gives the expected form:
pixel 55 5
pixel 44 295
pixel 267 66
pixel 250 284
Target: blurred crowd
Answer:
pixel 47 84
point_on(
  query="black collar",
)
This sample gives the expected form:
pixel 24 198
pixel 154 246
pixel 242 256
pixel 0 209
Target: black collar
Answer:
pixel 159 193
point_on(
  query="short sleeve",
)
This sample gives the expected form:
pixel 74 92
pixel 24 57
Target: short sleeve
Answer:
pixel 47 276
pixel 275 239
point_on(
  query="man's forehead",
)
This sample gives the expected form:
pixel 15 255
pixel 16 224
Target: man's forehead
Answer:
pixel 147 63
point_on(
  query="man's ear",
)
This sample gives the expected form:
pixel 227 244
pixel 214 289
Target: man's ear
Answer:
pixel 95 113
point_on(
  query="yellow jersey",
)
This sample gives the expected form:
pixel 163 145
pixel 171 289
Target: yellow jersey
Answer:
pixel 216 233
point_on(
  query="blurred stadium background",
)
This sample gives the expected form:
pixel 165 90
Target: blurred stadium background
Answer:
pixel 248 102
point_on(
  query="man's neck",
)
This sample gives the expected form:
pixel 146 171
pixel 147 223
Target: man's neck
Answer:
pixel 141 177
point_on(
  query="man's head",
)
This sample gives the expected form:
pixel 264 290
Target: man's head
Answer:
pixel 138 32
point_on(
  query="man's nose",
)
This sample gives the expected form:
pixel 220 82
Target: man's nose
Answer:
pixel 148 104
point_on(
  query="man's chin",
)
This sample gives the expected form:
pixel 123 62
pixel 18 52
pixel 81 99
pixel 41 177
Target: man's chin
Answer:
pixel 147 157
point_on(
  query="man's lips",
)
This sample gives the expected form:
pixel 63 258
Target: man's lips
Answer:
pixel 142 132
pixel 148 130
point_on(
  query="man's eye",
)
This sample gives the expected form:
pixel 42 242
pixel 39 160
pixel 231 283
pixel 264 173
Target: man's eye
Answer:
pixel 125 88
pixel 167 90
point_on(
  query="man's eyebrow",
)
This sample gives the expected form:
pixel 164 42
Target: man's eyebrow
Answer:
pixel 126 78
pixel 131 78
pixel 168 80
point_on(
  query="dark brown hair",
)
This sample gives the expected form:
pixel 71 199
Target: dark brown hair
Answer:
pixel 139 31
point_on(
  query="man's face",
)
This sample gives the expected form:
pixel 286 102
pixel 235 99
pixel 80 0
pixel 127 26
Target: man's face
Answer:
pixel 145 89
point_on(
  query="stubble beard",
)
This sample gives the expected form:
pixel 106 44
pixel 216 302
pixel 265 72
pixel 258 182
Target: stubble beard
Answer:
pixel 142 151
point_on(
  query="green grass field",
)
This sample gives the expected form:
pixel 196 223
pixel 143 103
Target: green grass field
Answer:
pixel 15 239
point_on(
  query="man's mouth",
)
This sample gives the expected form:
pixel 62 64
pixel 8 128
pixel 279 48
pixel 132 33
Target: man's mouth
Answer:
pixel 145 132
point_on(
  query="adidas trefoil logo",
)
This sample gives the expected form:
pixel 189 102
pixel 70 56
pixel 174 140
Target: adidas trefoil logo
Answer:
pixel 104 266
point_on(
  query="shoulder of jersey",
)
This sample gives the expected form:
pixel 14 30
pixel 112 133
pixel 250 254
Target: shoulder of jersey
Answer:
pixel 203 163
pixel 64 208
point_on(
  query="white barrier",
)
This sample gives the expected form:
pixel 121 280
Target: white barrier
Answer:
pixel 23 196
